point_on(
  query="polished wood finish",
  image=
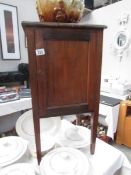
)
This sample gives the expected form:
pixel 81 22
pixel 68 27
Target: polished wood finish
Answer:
pixel 123 135
pixel 66 79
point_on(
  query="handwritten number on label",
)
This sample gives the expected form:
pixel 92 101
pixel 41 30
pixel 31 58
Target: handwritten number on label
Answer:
pixel 40 52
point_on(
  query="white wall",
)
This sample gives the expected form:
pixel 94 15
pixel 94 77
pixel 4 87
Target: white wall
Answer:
pixel 26 12
pixel 106 16
pixel 109 16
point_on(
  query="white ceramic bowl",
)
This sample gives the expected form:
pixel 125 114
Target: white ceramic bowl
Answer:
pixel 25 126
pixel 65 161
pixel 73 135
pixel 12 149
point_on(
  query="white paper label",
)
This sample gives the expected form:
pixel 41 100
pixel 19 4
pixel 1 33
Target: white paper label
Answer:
pixel 40 52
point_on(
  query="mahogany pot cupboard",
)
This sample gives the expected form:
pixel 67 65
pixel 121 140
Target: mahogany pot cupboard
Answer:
pixel 65 71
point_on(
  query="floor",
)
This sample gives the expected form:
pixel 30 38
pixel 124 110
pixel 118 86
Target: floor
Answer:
pixel 126 150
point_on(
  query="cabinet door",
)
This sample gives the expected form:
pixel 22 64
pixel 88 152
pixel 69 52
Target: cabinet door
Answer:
pixel 62 72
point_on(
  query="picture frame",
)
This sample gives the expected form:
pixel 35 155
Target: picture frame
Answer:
pixel 10 45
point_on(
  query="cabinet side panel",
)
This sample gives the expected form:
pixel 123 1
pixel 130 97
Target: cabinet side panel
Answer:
pixel 62 72
pixel 67 70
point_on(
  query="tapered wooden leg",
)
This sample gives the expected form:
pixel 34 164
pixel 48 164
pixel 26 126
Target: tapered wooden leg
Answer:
pixel 37 138
pixel 94 122
pixel 78 119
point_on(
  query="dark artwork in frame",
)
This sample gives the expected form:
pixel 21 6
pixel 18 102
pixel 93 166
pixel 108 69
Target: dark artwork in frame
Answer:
pixel 10 46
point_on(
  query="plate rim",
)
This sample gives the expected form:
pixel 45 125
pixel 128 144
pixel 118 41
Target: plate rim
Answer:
pixel 19 155
pixel 22 134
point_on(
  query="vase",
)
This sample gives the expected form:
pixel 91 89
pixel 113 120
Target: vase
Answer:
pixel 69 11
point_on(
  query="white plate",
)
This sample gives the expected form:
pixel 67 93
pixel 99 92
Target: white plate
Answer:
pixel 64 161
pixel 18 169
pixel 73 135
pixel 12 148
pixel 25 125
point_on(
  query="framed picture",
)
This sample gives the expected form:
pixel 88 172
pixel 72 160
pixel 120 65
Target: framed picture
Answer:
pixel 10 45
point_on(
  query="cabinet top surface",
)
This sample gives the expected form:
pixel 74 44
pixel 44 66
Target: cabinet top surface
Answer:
pixel 60 25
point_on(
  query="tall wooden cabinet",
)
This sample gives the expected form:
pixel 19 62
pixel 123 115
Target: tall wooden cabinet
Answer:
pixel 65 71
pixel 123 135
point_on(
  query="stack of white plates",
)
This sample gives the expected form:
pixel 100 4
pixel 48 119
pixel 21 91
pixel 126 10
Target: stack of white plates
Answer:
pixel 18 169
pixel 12 149
pixel 73 135
pixel 64 161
